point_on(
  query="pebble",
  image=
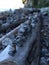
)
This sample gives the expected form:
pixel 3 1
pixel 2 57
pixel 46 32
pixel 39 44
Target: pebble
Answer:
pixel 43 61
pixel 44 51
pixel 6 41
pixel 48 60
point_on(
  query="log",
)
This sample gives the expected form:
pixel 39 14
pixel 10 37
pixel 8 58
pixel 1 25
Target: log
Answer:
pixel 37 51
pixel 14 31
pixel 23 53
pixel 21 56
pixel 12 25
pixel 36 58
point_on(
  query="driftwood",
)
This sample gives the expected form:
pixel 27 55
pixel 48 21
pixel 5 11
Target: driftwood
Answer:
pixel 14 31
pixel 14 24
pixel 20 57
pixel 37 51
pixel 7 35
pixel 22 54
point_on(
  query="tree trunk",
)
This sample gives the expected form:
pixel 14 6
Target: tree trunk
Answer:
pixel 35 3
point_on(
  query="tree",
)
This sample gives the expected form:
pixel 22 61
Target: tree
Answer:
pixel 35 3
pixel 31 3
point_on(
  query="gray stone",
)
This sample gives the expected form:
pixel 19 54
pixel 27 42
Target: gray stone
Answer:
pixel 6 41
pixel 1 35
pixel 44 51
pixel 48 60
pixel 43 61
pixel 47 54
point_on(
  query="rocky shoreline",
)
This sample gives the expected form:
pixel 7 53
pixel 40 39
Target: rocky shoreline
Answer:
pixel 35 50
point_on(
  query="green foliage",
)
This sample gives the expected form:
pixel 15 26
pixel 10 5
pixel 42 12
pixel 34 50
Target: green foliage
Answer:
pixel 35 3
pixel 43 3
pixel 40 3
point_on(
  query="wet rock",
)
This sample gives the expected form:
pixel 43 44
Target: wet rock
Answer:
pixel 6 41
pixel 25 28
pixel 47 54
pixel 48 60
pixel 13 48
pixel 11 19
pixel 1 35
pixel 5 25
pixel 45 13
pixel 43 61
pixel 20 40
pixel 44 51
pixel 2 17
pixel 21 29
pixel 33 23
pixel 46 40
pixel 0 23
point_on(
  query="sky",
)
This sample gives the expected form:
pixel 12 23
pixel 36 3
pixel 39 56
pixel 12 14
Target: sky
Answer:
pixel 13 4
